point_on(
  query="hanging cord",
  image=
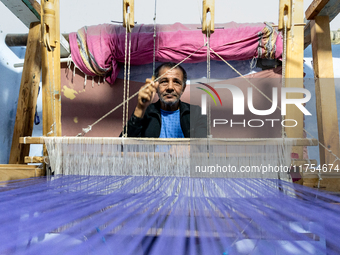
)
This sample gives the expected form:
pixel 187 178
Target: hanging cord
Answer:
pixel 69 61
pixel 278 107
pixel 284 60
pixel 283 79
pixel 154 41
pixel 86 130
pixel 47 40
pixel 208 81
pixel 128 88
pixel 125 61
pixel 54 98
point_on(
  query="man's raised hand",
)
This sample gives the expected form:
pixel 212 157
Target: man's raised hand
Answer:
pixel 145 96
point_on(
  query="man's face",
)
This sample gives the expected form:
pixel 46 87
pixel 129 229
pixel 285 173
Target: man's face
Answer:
pixel 170 87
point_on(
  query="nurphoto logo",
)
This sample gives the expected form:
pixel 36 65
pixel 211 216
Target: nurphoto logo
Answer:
pixel 238 99
pixel 244 102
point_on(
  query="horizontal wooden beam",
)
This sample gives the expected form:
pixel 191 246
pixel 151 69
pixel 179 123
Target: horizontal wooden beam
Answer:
pixel 328 184
pixel 331 9
pixel 314 8
pixel 29 11
pixel 34 6
pixel 17 166
pixel 16 171
pixel 184 141
pixel 21 39
pixel 304 162
pixel 35 159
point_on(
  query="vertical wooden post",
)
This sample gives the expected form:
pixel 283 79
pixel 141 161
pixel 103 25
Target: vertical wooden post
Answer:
pixel 327 116
pixel 51 69
pixel 27 95
pixel 294 72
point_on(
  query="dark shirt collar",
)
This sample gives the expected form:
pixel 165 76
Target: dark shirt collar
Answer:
pixel 156 107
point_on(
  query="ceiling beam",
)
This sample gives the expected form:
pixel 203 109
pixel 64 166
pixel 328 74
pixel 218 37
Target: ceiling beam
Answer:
pixel 314 9
pixel 330 8
pixel 23 11
pixel 29 11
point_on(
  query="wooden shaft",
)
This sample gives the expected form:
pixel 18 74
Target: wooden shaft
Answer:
pixel 16 40
pixel 17 166
pixel 35 159
pixel 175 141
pixel 16 171
pixel 21 39
pixel 303 163
pixel 294 73
pixel 28 95
pixel 51 83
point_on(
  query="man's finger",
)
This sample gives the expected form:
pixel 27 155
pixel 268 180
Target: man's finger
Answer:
pixel 145 98
pixel 148 88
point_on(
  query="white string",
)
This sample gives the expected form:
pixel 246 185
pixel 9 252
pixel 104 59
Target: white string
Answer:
pixel 126 59
pixel 128 87
pixel 124 86
pixel 284 59
pixel 74 70
pixel 69 62
pixel 149 157
pixel 85 80
pixel 208 81
pixel 154 41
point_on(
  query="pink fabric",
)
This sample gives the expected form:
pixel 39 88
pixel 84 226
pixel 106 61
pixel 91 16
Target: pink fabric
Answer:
pixel 106 43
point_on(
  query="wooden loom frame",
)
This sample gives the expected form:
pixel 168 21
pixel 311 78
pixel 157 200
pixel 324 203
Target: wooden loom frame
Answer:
pixel 36 54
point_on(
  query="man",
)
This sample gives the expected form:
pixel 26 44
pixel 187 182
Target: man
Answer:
pixel 169 117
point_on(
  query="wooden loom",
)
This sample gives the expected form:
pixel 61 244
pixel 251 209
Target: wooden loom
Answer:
pixel 37 55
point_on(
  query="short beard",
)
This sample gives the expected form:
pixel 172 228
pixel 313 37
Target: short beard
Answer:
pixel 167 103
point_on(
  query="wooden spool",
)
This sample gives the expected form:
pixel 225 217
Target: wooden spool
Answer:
pixel 129 7
pixel 285 9
pixel 208 25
